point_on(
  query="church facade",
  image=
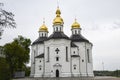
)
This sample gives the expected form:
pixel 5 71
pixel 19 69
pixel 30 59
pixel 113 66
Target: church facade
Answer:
pixel 58 55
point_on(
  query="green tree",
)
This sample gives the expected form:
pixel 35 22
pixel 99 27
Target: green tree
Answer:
pixel 4 69
pixel 17 54
pixel 24 43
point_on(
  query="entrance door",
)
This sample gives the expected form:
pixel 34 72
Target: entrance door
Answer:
pixel 57 73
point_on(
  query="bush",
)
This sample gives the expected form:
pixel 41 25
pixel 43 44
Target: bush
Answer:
pixel 4 70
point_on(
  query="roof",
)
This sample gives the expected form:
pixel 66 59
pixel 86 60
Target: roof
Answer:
pixel 73 45
pixel 40 56
pixel 58 35
pixel 75 56
pixel 78 38
pixel 39 40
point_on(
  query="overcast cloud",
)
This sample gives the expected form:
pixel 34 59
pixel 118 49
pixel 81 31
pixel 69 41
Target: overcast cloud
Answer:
pixel 99 20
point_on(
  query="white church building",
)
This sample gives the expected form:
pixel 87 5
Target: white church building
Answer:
pixel 58 55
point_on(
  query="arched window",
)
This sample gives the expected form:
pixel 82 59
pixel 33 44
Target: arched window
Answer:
pixel 42 34
pixel 48 54
pixel 66 53
pixel 56 28
pixel 79 31
pixel 74 52
pixel 40 67
pixel 60 28
pixel 57 58
pixel 74 66
pixel 45 34
pixel 88 56
pixel 75 32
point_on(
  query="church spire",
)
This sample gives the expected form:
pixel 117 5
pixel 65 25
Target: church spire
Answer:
pixel 58 20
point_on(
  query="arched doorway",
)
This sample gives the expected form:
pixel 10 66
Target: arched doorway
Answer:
pixel 57 73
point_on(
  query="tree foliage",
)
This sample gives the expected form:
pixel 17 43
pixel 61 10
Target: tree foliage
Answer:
pixel 17 53
pixel 24 43
pixel 4 69
pixel 6 20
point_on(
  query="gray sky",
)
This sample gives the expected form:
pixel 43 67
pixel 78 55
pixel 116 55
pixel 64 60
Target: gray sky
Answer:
pixel 99 20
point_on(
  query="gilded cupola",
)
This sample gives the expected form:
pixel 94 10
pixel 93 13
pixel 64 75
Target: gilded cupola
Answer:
pixel 75 25
pixel 43 28
pixel 58 20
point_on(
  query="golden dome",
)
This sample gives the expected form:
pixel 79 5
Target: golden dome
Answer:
pixel 58 19
pixel 75 24
pixel 43 28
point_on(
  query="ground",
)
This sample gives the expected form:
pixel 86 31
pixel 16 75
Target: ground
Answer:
pixel 96 78
pixel 106 78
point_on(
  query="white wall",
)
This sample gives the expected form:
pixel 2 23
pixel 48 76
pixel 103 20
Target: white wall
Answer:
pixel 39 67
pixel 61 45
pixel 85 67
pixel 65 67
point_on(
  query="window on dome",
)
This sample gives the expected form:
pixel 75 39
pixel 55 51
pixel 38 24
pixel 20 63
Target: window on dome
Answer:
pixel 79 32
pixel 60 28
pixel 56 28
pixel 45 34
pixel 75 32
pixel 42 34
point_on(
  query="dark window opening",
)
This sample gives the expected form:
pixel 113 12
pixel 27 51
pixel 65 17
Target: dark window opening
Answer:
pixel 42 34
pixel 57 58
pixel 74 67
pixel 48 55
pixel 82 60
pixel 56 28
pixel 88 56
pixel 79 32
pixel 66 53
pixel 74 52
pixel 60 28
pixel 45 35
pixel 40 68
pixel 75 32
